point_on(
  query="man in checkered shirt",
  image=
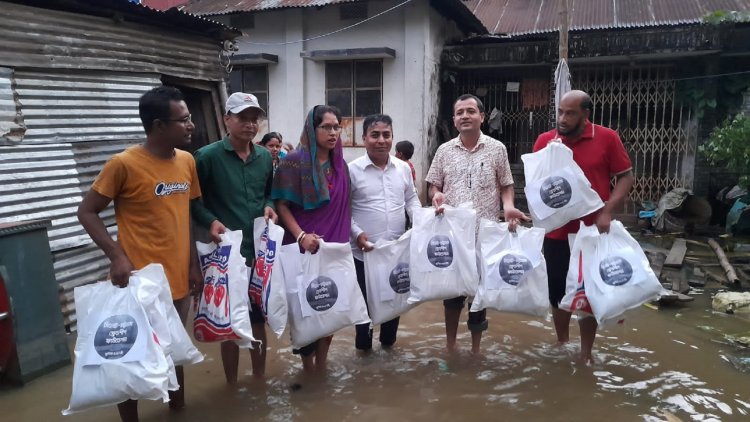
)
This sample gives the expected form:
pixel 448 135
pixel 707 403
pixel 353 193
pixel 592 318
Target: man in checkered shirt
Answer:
pixel 472 167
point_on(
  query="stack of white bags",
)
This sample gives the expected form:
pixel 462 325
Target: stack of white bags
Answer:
pixel 611 271
pixel 133 335
pixel 608 273
pixel 129 340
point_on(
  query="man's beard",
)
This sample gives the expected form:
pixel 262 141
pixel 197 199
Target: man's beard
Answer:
pixel 569 132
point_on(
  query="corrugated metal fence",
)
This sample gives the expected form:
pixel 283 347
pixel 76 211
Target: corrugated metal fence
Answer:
pixel 77 107
pixel 42 38
pixel 72 81
pixel 11 122
pixel 74 125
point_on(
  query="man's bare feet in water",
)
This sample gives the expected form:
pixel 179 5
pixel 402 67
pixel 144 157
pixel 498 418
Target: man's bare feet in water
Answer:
pixel 586 359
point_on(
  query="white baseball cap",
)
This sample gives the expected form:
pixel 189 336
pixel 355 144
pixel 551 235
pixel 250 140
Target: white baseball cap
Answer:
pixel 240 101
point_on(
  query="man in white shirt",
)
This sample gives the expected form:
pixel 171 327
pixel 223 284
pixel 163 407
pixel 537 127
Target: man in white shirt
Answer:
pixel 382 188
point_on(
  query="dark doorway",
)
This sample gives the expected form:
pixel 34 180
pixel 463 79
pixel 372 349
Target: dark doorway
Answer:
pixel 204 110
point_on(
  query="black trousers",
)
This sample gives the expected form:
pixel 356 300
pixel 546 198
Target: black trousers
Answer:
pixel 557 255
pixel 363 339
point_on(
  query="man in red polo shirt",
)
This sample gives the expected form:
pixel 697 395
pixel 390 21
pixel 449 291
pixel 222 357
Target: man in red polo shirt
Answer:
pixel 600 154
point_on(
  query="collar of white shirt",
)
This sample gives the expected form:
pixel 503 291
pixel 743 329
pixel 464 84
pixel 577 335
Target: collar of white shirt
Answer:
pixel 368 162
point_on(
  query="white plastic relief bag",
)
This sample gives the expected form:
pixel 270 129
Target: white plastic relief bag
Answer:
pixel 575 299
pixel 322 292
pixel 266 288
pixel 556 189
pixel 223 311
pixel 617 272
pixel 152 290
pixel 513 270
pixel 387 279
pixel 443 262
pixel 117 353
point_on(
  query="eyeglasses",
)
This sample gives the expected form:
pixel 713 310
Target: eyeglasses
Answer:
pixel 329 128
pixel 184 120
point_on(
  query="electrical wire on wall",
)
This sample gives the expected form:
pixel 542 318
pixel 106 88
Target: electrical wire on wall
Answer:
pixel 332 32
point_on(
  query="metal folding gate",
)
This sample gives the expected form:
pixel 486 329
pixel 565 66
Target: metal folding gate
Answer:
pixel 658 132
pixel 520 96
pixel 638 101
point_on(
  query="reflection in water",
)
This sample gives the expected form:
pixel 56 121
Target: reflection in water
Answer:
pixel 654 368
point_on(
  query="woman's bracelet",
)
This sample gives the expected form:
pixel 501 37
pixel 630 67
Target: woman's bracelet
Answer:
pixel 300 236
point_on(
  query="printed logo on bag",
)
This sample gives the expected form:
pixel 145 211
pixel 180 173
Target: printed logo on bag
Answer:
pixel 615 270
pixel 555 192
pixel 218 258
pixel 513 267
pixel 216 282
pixel 322 293
pixel 264 260
pixel 115 336
pixel 440 251
pixel 399 279
pixel 169 188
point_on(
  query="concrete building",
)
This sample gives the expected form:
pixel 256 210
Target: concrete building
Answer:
pixel 297 54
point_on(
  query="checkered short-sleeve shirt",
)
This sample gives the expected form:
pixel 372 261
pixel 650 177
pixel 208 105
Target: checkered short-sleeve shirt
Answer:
pixel 477 175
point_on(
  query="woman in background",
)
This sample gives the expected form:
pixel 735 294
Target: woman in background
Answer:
pixel 272 142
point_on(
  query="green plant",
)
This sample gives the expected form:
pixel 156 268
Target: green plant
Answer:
pixel 694 93
pixel 729 146
pixel 724 16
pixel 727 99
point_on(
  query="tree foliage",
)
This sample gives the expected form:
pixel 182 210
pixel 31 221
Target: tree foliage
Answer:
pixel 726 16
pixel 729 146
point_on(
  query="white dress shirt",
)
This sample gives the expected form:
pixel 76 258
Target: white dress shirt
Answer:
pixel 379 198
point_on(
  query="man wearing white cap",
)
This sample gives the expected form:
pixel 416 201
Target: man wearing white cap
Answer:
pixel 237 177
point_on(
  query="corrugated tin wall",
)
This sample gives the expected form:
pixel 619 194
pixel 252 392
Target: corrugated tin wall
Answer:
pixel 75 123
pixel 40 38
pixel 62 106
pixel 46 174
pixel 11 121
pixel 74 81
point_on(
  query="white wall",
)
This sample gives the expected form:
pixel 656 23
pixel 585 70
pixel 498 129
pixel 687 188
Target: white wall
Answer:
pixel 410 80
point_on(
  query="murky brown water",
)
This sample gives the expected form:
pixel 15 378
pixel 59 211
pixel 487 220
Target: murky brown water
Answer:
pixel 660 360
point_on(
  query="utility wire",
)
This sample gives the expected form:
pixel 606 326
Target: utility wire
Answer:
pixel 334 32
pixel 718 75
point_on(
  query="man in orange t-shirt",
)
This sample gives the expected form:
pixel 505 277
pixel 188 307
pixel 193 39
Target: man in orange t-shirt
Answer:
pixel 151 185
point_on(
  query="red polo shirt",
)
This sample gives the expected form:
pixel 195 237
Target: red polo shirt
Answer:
pixel 600 154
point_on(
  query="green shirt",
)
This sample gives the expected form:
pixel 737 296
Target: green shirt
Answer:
pixel 233 192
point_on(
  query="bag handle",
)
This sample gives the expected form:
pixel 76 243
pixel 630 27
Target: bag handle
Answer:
pixel 515 240
pixel 437 219
pixel 604 244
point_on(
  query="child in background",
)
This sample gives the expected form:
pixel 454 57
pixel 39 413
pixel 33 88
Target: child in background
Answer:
pixel 404 151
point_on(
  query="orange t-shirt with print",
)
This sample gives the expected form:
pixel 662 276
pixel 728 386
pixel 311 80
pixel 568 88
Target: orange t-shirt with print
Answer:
pixel 152 209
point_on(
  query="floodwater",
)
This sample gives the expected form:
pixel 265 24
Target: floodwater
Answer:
pixel 660 365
